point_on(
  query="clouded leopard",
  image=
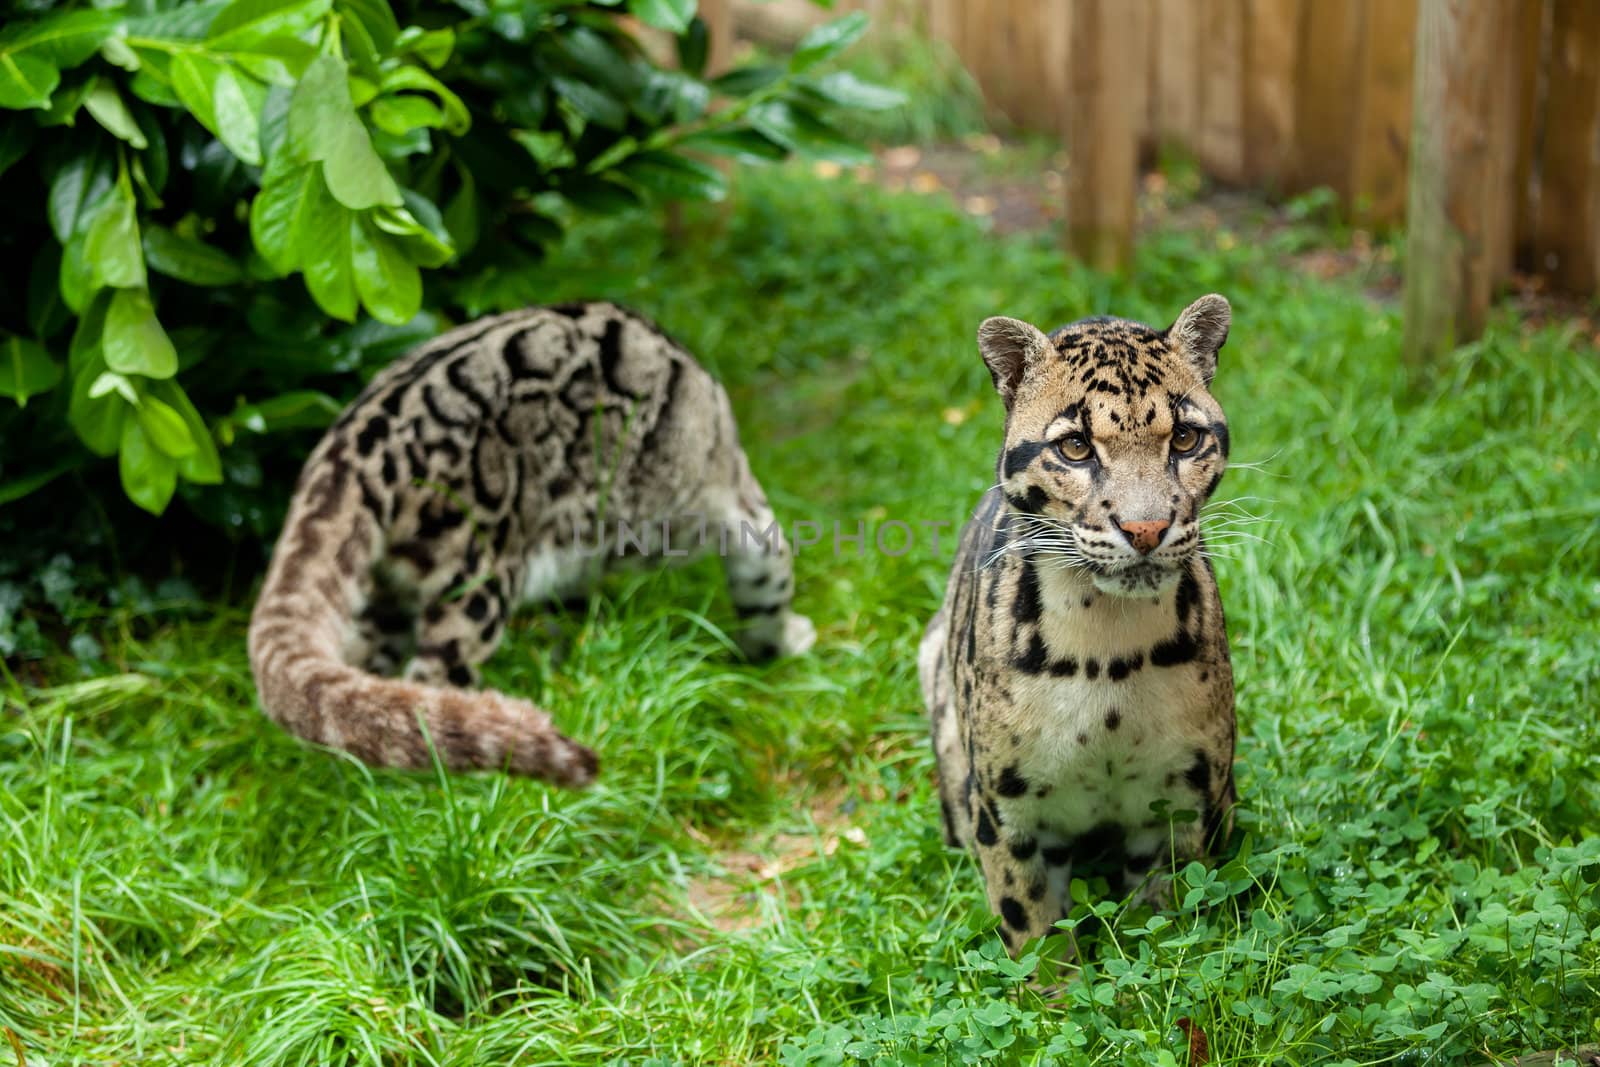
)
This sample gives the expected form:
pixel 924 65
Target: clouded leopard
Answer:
pixel 1077 676
pixel 505 461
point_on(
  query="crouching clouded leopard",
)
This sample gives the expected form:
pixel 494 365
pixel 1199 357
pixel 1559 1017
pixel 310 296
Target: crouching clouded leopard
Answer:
pixel 502 462
pixel 1077 675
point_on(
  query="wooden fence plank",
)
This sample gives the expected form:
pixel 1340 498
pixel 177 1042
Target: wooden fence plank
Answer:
pixel 1448 277
pixel 1271 53
pixel 1532 33
pixel 1220 144
pixel 1565 238
pixel 1102 143
pixel 1330 41
pixel 1055 33
pixel 1380 141
pixel 1177 73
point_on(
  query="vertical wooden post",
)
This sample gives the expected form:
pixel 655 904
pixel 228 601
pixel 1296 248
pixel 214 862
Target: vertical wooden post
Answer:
pixel 1565 238
pixel 1448 257
pixel 1271 56
pixel 1380 141
pixel 1101 138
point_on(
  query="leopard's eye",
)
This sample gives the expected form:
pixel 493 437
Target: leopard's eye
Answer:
pixel 1184 437
pixel 1075 447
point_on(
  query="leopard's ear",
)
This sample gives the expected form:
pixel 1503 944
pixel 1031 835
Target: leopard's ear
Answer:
pixel 1201 331
pixel 1008 346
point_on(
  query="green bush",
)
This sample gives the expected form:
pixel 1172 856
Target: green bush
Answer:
pixel 218 217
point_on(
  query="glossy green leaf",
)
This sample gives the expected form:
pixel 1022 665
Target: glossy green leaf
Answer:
pixel 149 476
pixel 388 281
pixel 550 150
pixel 746 80
pixel 245 23
pixel 65 39
pixel 674 177
pixel 323 126
pixel 182 21
pixel 595 105
pixel 77 189
pixel 203 465
pixel 376 19
pixel 165 427
pixel 111 243
pixel 97 419
pixel 670 15
pixel 694 46
pixel 402 114
pixel 846 90
pixel 225 104
pixel 278 214
pixel 462 214
pixel 325 254
pixel 828 40
pixel 457 118
pixel 433 47
pixel 110 111
pixel 26 369
pixel 749 146
pixel 189 260
pixel 133 341
pixel 26 81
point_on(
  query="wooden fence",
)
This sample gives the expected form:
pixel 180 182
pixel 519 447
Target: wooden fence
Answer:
pixel 1478 121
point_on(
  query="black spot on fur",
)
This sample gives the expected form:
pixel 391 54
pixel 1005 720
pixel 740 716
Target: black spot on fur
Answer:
pixel 1120 668
pixel 1113 719
pixel 1199 774
pixel 1091 669
pixel 1064 668
pixel 477 607
pixel 1011 783
pixel 376 429
pixel 1011 911
pixel 1180 648
pixel 1026 606
pixel 1024 849
pixel 1187 597
pixel 1032 503
pixel 460 675
pixel 1036 890
pixel 985 831
pixel 1020 458
pixel 1034 659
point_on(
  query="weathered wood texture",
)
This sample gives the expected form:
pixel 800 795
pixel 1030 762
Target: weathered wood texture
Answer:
pixel 1102 136
pixel 1489 145
pixel 1458 193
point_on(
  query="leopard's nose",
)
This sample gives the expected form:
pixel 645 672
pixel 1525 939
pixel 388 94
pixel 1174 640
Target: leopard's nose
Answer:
pixel 1144 536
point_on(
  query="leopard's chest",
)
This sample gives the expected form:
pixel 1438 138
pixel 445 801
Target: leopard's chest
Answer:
pixel 1099 733
pixel 1096 752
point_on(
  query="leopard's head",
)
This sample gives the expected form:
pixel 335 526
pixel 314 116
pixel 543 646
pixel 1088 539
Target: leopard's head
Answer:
pixel 1113 441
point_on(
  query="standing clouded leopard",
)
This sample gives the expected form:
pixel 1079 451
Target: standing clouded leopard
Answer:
pixel 1077 675
pixel 501 462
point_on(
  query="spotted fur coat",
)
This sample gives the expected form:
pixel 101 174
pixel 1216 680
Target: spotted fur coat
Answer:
pixel 509 460
pixel 1077 676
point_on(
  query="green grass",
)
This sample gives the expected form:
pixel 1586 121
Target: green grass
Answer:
pixel 759 875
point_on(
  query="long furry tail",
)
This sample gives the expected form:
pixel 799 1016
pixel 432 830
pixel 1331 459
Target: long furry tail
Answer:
pixel 314 589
